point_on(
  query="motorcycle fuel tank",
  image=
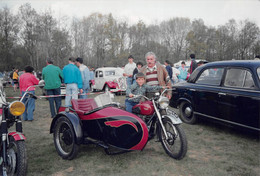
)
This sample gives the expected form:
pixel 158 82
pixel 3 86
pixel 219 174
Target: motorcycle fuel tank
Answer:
pixel 144 108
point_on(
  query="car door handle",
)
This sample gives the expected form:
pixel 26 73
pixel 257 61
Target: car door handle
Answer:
pixel 192 90
pixel 222 93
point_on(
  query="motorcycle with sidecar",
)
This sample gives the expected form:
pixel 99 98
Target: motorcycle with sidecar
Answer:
pixel 105 123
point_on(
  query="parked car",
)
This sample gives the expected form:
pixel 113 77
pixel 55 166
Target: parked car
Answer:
pixel 109 78
pixel 226 91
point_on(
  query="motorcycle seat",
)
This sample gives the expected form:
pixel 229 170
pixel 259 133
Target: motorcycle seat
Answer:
pixel 83 106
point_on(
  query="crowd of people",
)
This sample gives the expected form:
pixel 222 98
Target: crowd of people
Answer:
pixel 141 79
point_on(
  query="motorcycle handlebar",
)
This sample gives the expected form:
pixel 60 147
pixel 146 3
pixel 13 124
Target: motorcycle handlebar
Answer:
pixel 137 96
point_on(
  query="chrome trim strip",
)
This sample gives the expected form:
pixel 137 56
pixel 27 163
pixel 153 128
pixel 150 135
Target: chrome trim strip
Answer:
pixel 234 123
pixel 226 88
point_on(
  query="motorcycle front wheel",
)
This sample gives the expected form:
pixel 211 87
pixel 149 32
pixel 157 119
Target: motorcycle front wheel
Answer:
pixel 176 145
pixel 65 139
pixel 16 158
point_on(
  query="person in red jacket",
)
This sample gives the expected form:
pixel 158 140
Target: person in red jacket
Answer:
pixel 26 80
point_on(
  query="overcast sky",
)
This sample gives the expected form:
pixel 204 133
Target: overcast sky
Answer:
pixel 213 12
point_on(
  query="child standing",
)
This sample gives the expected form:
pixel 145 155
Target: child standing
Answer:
pixel 138 88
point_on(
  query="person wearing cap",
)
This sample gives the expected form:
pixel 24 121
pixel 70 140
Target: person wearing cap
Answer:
pixel 193 64
pixel 138 88
pixel 85 75
pixel 73 81
pixel 26 80
pixel 53 77
pixel 128 70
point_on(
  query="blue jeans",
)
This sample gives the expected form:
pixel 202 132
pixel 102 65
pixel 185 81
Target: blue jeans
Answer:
pixel 84 96
pixel 129 104
pixel 129 81
pixel 71 93
pixel 52 99
pixel 29 107
pixel 134 81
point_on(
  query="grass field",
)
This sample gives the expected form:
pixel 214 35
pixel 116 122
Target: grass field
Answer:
pixel 212 150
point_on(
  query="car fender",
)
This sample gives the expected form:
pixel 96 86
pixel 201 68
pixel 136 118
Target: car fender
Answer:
pixel 183 99
pixel 92 82
pixel 75 121
pixel 17 136
pixel 111 84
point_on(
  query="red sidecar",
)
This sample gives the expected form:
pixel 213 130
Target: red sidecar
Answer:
pixel 97 121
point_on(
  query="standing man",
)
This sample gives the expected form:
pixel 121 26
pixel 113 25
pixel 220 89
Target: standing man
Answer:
pixel 183 72
pixel 73 81
pixel 168 67
pixel 155 73
pixel 52 76
pixel 85 75
pixel 193 64
pixel 128 70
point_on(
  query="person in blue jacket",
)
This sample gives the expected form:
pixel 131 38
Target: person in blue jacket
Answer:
pixel 73 81
pixel 85 75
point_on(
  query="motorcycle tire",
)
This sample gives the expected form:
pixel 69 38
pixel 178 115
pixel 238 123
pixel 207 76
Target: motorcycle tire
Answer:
pixel 176 145
pixel 16 157
pixel 65 139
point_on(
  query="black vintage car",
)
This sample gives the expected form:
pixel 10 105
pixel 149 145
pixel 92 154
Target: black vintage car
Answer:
pixel 227 91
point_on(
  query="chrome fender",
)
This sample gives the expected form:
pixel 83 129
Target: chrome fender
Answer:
pixel 174 118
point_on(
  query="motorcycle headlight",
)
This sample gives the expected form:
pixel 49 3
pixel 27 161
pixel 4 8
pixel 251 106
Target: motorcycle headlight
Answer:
pixel 16 108
pixel 163 102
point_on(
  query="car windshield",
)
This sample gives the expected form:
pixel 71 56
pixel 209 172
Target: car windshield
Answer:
pixel 110 73
pixel 116 72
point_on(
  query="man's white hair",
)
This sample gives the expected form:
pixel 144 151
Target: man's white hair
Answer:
pixel 150 54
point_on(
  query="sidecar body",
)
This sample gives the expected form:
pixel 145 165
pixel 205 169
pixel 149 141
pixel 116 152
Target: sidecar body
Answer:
pixel 99 119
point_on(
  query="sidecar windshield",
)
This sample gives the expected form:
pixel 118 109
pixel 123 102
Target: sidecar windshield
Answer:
pixel 2 97
pixel 104 99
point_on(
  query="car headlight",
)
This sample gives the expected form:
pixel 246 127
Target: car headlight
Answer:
pixel 16 108
pixel 163 102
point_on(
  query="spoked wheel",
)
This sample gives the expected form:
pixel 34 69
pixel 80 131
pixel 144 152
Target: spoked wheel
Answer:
pixel 176 144
pixel 65 139
pixel 16 158
pixel 186 113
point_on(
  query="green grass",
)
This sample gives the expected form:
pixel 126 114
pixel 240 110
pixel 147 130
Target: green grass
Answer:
pixel 212 150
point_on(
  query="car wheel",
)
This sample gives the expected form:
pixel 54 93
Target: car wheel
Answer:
pixel 92 89
pixel 186 113
pixel 107 89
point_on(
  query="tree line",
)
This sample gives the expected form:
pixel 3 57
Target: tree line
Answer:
pixel 30 37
